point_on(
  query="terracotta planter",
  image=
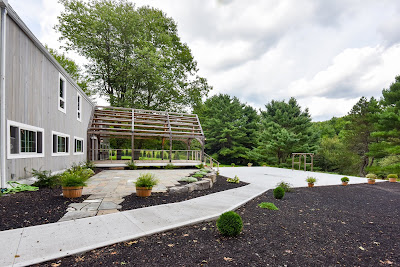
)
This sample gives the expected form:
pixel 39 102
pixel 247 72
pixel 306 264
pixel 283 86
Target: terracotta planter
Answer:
pixel 345 183
pixel 371 181
pixel 392 180
pixel 249 164
pixel 143 191
pixel 72 191
pixel 310 185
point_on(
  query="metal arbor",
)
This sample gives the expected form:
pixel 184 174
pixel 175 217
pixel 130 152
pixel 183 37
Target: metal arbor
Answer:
pixel 117 122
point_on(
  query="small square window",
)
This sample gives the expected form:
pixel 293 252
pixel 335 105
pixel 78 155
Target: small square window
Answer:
pixel 78 147
pixel 60 144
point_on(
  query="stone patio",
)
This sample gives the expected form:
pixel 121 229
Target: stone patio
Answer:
pixel 108 188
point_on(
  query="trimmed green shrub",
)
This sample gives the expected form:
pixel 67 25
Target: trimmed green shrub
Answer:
pixel 268 205
pixel 230 223
pixel 188 179
pixel 146 180
pixel 45 179
pixel 371 176
pixel 286 186
pixel 279 192
pixel 392 176
pixel 232 164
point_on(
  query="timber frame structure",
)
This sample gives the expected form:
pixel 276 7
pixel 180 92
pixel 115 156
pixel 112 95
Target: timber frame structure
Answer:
pixel 300 155
pixel 118 122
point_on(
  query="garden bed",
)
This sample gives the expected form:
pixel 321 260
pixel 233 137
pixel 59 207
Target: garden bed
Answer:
pixel 33 208
pixel 134 202
pixel 355 225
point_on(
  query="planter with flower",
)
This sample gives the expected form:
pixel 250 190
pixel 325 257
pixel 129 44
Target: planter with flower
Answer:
pixel 345 180
pixel 311 181
pixel 371 178
pixel 144 184
pixel 392 178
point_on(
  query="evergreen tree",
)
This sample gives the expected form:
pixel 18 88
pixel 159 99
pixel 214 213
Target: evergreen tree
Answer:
pixel 230 128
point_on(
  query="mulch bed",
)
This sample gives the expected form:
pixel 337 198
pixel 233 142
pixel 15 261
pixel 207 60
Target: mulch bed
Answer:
pixel 356 225
pixel 134 202
pixel 33 208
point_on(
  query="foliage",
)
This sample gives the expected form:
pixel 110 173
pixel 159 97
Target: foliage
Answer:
pixel 188 179
pixel 205 170
pixel 16 187
pixel 89 165
pixel 232 164
pixel 392 176
pixel 196 175
pixel 135 55
pixel 200 166
pixel 169 166
pixel 235 180
pixel 268 205
pixel 201 173
pixel 230 224
pixel 311 180
pixel 75 176
pixel 73 70
pixel 279 192
pixel 371 176
pixel 146 180
pixel 286 186
pixel 284 129
pixel 131 165
pixel 345 179
pixel 45 179
pixel 230 128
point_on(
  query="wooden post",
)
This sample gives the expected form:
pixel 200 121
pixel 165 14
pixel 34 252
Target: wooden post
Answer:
pixel 312 162
pixel 162 149
pixel 170 149
pixel 188 148
pixel 292 162
pixel 133 136
pixel 305 162
pixel 299 162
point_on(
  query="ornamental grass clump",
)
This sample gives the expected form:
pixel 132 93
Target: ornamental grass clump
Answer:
pixel 279 192
pixel 147 180
pixel 235 180
pixel 371 176
pixel 230 224
pixel 268 205
pixel 76 176
pixel 311 180
pixel 286 186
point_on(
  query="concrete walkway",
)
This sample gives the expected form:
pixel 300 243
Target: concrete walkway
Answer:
pixel 30 245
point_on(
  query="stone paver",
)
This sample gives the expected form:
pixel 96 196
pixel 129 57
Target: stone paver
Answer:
pixel 108 188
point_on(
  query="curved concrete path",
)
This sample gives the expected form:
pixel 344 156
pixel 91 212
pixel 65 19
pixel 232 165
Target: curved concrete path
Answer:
pixel 35 244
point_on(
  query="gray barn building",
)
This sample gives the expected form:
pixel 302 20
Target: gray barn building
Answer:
pixel 44 114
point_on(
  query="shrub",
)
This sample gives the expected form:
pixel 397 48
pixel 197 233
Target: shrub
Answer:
pixel 76 176
pixel 89 165
pixel 286 186
pixel 202 173
pixel 45 179
pixel 279 192
pixel 232 164
pixel 169 166
pixel 268 205
pixel 230 223
pixel 311 180
pixel 131 165
pixel 233 180
pixel 197 175
pixel 345 179
pixel 146 180
pixel 371 176
pixel 200 166
pixel 205 170
pixel 188 179
pixel 392 176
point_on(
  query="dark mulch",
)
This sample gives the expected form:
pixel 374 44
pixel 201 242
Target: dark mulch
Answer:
pixel 356 225
pixel 133 202
pixel 32 208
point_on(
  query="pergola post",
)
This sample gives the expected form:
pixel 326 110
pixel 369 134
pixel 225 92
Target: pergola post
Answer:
pixel 170 149
pixel 202 150
pixel 162 148
pixel 133 136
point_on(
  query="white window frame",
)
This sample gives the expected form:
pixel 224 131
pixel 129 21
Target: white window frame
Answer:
pixel 83 145
pixel 79 107
pixel 23 155
pixel 63 110
pixel 56 154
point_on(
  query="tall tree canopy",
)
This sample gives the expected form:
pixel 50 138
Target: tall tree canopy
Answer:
pixel 285 129
pixel 135 54
pixel 72 68
pixel 230 128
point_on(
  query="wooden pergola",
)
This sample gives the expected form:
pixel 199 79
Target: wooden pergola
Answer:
pixel 300 155
pixel 118 122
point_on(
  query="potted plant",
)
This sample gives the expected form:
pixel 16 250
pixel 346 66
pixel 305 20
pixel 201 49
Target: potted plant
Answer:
pixel 371 178
pixel 73 180
pixel 249 164
pixel 345 180
pixel 392 178
pixel 311 181
pixel 144 184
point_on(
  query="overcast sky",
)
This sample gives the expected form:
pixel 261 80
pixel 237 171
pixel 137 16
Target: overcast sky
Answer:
pixel 325 53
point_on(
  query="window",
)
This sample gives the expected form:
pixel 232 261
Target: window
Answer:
pixel 78 145
pixel 62 94
pixel 60 144
pixel 79 109
pixel 25 141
